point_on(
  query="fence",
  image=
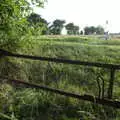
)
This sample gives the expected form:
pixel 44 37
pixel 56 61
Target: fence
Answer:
pixel 112 67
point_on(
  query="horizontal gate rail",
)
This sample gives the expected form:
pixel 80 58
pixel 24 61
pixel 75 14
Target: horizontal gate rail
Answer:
pixel 76 62
pixel 95 100
pixel 112 67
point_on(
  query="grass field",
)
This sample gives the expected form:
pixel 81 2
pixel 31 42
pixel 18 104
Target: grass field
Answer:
pixel 74 78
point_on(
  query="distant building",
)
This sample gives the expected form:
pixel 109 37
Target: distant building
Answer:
pixel 106 30
pixel 64 31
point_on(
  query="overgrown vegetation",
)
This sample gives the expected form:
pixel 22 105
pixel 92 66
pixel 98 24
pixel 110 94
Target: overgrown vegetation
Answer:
pixel 23 103
pixel 20 103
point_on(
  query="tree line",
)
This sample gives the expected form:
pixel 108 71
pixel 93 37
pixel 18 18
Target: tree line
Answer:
pixel 39 24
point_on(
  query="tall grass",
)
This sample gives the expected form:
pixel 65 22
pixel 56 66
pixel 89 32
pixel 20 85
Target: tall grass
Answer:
pixel 30 104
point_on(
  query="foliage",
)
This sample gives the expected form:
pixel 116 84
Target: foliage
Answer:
pixel 13 24
pixel 89 30
pixel 56 27
pixel 81 32
pixel 99 30
pixel 72 29
pixel 34 104
pixel 94 30
pixel 37 24
pixel 20 103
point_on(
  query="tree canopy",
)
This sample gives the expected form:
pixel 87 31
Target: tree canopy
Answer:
pixel 37 24
pixel 94 30
pixel 57 27
pixel 72 29
pixel 12 19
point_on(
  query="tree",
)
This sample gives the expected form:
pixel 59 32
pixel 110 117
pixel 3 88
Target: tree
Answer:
pixel 13 26
pixel 37 24
pixel 99 30
pixel 72 29
pixel 57 27
pixel 94 30
pixel 89 30
pixel 86 30
pixel 69 27
pixel 81 32
pixel 76 30
pixel 12 20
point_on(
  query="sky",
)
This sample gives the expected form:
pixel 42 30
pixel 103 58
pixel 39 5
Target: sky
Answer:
pixel 84 12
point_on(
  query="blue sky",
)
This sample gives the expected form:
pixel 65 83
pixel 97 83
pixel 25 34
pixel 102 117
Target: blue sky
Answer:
pixel 83 12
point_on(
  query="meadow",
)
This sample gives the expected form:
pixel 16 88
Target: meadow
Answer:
pixel 30 104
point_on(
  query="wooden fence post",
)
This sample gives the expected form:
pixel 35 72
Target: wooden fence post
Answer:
pixel 111 83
